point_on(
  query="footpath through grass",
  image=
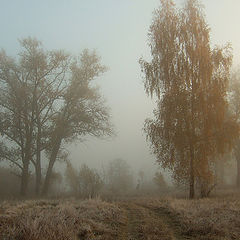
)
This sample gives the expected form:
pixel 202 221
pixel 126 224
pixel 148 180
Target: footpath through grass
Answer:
pixel 129 219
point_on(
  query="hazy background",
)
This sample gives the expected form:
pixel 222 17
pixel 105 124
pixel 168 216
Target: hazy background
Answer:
pixel 118 31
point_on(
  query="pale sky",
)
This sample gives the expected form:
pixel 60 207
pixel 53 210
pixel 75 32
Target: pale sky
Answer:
pixel 118 31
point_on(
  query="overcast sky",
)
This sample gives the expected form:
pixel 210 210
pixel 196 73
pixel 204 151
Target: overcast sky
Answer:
pixel 117 29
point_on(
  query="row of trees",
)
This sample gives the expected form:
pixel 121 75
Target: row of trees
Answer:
pixel 47 98
pixel 193 124
pixel 115 179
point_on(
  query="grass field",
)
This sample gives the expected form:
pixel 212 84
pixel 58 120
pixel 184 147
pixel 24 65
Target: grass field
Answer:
pixel 216 218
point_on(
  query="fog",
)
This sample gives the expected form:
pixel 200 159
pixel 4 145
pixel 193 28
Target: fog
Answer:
pixel 119 119
pixel 118 32
pixel 123 43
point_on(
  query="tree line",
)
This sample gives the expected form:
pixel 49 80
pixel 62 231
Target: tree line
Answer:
pixel 113 180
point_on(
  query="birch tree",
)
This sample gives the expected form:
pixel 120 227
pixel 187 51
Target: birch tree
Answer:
pixel 189 80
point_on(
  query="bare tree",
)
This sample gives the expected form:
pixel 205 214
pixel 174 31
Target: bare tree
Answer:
pixel 119 178
pixel 90 181
pixel 83 110
pixel 26 102
pixel 85 183
pixel 47 97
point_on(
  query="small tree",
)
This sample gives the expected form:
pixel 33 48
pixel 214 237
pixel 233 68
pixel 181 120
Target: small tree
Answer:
pixel 85 183
pixel 159 180
pixel 119 177
pixel 71 176
pixel 90 181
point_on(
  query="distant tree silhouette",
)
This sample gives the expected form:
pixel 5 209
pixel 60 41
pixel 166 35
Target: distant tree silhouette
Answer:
pixel 119 178
pixel 85 183
pixel 159 180
pixel 47 98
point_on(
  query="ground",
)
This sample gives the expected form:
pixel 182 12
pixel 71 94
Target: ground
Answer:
pixel 143 222
pixel 129 219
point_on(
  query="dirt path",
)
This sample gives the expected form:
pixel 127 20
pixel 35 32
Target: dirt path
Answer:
pixel 144 223
pixel 171 223
pixel 134 222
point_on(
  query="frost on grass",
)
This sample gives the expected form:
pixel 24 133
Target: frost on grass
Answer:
pixel 202 219
pixel 215 218
pixel 62 220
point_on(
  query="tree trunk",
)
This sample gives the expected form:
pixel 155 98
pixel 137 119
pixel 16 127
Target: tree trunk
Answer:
pixel 25 170
pixel 203 188
pixel 219 171
pixel 237 157
pixel 192 182
pixel 24 179
pixel 38 176
pixel 38 163
pixel 238 172
pixel 52 160
pixel 192 177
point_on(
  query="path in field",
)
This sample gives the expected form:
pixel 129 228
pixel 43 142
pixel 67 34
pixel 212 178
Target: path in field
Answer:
pixel 144 223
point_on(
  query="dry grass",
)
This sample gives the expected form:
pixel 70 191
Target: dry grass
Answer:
pixel 62 220
pixel 206 219
pixel 215 218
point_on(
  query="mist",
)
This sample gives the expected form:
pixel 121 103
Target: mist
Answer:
pixel 118 31
pixel 110 125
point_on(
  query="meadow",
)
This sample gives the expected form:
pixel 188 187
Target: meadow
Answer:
pixel 166 218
